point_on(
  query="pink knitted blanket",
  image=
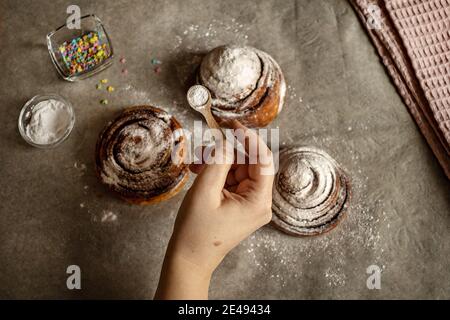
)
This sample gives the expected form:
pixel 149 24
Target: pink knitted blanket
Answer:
pixel 413 40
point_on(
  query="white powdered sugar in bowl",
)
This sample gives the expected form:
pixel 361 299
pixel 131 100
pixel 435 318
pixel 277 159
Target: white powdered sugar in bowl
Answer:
pixel 46 121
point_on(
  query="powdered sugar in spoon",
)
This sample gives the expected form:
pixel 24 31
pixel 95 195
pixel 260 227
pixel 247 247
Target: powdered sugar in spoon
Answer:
pixel 199 99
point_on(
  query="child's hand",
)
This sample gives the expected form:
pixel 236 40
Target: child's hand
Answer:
pixel 226 203
pixel 223 207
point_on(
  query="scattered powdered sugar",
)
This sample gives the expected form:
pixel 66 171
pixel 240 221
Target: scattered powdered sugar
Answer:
pixel 285 258
pixel 217 32
pixel 105 216
pixel 335 277
pixel 175 108
pixel 293 96
pixel 194 41
pixel 108 216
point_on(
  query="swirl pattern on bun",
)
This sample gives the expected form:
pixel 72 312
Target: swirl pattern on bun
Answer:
pixel 246 84
pixel 311 192
pixel 140 155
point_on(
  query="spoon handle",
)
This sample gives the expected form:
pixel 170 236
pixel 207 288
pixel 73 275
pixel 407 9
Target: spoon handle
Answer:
pixel 212 123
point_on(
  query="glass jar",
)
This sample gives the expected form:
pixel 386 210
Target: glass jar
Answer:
pixel 74 53
pixel 26 114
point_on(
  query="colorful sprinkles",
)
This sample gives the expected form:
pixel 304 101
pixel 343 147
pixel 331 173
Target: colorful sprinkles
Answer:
pixel 99 86
pixel 155 61
pixel 84 53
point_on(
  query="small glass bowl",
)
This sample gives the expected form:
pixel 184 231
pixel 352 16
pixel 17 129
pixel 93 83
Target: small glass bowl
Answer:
pixel 89 23
pixel 25 117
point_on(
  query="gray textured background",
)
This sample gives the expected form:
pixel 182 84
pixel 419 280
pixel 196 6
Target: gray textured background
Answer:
pixel 339 98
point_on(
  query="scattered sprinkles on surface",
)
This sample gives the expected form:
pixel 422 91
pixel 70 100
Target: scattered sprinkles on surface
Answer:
pixel 156 61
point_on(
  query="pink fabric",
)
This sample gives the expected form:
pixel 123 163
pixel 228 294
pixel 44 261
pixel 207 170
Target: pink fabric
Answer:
pixel 413 40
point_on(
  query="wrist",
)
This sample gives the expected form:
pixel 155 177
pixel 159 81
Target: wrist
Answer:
pixel 182 279
pixel 200 259
pixel 178 262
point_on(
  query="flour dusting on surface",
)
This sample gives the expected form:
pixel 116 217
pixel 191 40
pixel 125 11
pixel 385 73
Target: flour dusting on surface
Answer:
pixel 105 217
pixel 284 257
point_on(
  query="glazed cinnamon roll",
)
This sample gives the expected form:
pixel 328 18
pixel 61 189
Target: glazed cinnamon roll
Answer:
pixel 139 157
pixel 311 192
pixel 246 84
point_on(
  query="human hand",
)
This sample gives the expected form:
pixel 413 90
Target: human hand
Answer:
pixel 226 203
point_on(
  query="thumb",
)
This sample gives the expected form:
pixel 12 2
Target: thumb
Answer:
pixel 212 178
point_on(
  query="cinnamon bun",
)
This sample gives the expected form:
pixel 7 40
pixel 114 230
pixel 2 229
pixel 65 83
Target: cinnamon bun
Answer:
pixel 311 192
pixel 246 84
pixel 140 155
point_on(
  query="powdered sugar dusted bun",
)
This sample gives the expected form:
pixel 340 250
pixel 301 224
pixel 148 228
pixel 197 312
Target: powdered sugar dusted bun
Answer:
pixel 134 155
pixel 311 192
pixel 245 83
